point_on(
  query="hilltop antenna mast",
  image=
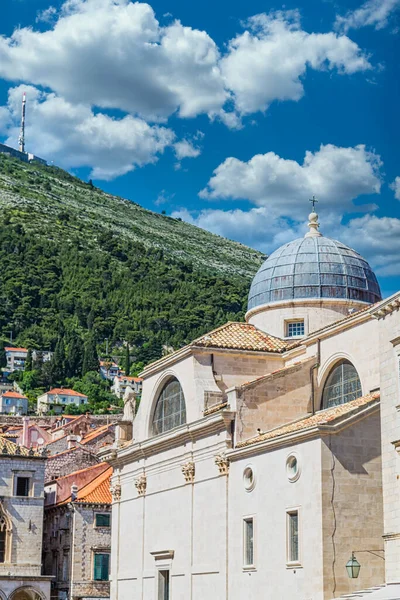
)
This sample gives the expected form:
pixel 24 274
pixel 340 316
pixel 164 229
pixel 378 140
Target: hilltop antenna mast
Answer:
pixel 21 139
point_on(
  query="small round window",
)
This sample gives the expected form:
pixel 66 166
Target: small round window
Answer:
pixel 249 479
pixel 292 468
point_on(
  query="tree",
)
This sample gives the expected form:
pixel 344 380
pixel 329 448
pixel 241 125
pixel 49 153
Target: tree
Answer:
pixel 74 355
pixel 58 362
pixel 90 360
pixel 127 363
pixel 29 361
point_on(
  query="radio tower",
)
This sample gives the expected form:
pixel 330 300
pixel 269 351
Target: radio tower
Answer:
pixel 21 139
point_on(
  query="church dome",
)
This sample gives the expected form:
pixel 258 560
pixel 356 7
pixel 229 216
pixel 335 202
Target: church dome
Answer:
pixel 314 267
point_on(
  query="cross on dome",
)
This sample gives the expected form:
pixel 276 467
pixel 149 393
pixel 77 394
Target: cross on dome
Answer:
pixel 313 221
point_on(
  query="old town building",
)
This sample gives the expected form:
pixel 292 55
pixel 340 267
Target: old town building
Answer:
pixel 77 533
pixel 21 523
pixel 255 464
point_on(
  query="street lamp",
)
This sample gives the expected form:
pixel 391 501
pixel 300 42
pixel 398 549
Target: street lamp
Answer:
pixel 353 566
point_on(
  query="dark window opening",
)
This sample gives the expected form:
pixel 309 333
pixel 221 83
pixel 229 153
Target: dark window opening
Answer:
pixel 102 520
pixel 22 486
pixel 163 585
pixel 2 546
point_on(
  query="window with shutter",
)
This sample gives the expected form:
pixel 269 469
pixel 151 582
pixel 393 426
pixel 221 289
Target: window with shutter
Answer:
pixel 101 566
pixel 102 520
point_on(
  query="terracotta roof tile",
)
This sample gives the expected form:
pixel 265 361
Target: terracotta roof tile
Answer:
pixel 8 448
pixel 95 433
pixel 97 491
pixel 322 417
pixel 242 336
pixel 12 349
pixel 14 395
pixel 65 392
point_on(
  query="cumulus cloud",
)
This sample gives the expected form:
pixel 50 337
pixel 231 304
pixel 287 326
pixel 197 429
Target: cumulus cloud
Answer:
pixel 114 54
pixel 185 149
pixel 337 175
pixel 72 135
pixel 373 12
pixel 395 186
pixel 268 61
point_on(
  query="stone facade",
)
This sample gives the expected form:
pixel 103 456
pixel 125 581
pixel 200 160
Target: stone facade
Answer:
pixel 21 523
pixel 71 539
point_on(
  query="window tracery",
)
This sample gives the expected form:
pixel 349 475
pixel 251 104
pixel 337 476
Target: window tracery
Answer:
pixel 342 385
pixel 170 410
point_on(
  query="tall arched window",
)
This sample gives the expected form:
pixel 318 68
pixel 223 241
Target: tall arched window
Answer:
pixel 170 409
pixel 4 533
pixel 342 385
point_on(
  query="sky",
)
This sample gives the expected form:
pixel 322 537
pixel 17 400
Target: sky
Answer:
pixel 228 114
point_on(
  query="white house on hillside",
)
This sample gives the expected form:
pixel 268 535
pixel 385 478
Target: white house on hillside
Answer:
pixel 13 403
pixel 58 399
pixel 15 358
pixel 122 383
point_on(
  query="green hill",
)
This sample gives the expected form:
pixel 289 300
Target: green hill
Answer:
pixel 78 262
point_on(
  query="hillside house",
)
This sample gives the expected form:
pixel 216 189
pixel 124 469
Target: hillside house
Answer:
pixel 21 523
pixel 123 384
pixel 77 533
pixel 16 358
pixel 13 403
pixel 109 370
pixel 58 399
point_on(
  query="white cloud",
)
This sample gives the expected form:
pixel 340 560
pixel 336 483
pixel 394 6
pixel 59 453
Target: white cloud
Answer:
pixel 185 149
pixel 114 54
pixel 72 135
pixel 269 60
pixel 336 175
pixel 395 186
pixel 372 12
pixel 47 16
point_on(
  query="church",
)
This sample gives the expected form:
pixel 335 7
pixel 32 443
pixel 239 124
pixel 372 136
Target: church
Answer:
pixel 263 461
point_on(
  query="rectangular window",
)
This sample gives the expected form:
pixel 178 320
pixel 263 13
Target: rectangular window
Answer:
pixel 163 585
pixel 102 520
pixel 3 538
pixel 248 542
pixel 293 554
pixel 65 567
pixel 22 487
pixel 101 566
pixel 295 328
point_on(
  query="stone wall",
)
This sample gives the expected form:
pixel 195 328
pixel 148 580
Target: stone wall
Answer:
pixel 352 507
pixel 69 461
pixel 274 401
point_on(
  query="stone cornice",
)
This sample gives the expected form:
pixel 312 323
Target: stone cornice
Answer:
pixel 386 307
pixel 196 430
pixel 301 302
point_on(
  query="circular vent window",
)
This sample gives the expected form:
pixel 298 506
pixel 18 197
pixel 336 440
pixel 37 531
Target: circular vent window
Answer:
pixel 249 479
pixel 292 468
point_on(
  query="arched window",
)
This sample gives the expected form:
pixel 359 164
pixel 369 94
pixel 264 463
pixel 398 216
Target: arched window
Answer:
pixel 342 385
pixel 170 409
pixel 4 532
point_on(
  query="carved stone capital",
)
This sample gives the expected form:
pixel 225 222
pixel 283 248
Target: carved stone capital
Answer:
pixel 188 470
pixel 115 490
pixel 222 463
pixel 141 484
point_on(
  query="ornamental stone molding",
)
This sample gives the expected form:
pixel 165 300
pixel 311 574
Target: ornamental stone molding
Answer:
pixel 386 309
pixel 141 484
pixel 115 490
pixel 222 463
pixel 188 470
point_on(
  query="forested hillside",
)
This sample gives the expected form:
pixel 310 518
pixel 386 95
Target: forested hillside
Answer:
pixel 81 266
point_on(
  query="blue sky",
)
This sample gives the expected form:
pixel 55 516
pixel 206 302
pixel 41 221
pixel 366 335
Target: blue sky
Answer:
pixel 229 115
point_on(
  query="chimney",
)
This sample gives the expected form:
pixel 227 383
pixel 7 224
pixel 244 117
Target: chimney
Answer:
pixel 74 492
pixel 25 432
pixel 71 441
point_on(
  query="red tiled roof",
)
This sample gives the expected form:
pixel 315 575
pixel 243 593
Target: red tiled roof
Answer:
pixel 322 417
pixel 14 395
pixel 137 379
pixel 97 491
pixel 95 433
pixel 12 349
pixel 65 392
pixel 10 448
pixel 242 336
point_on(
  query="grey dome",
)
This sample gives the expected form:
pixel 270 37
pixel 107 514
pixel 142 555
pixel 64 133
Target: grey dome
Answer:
pixel 314 267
